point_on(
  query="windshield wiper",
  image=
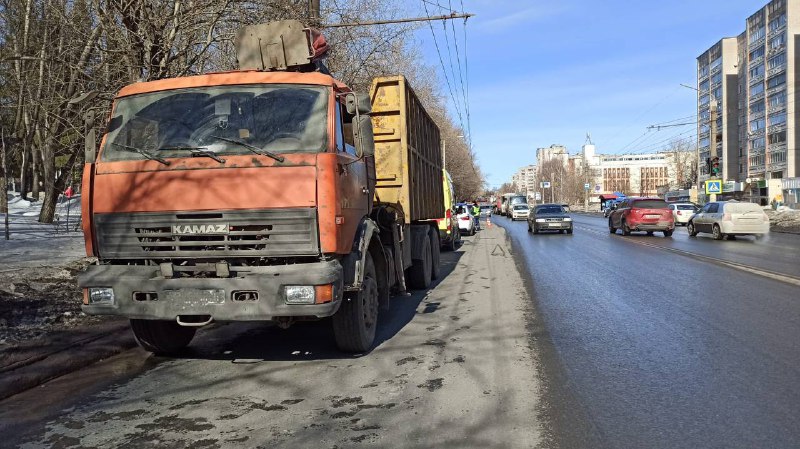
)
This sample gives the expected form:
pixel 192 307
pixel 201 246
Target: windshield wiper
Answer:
pixel 143 152
pixel 252 148
pixel 197 151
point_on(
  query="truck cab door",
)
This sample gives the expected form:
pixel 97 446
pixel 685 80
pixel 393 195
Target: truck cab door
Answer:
pixel 355 194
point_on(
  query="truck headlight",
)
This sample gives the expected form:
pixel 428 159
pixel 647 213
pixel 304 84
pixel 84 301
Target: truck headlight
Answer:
pixel 300 294
pixel 101 295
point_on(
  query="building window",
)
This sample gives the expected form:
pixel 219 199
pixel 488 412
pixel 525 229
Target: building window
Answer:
pixel 757 107
pixel 717 78
pixel 757 53
pixel 777 22
pixel 757 124
pixel 757 71
pixel 778 137
pixel 777 119
pixel 756 89
pixel 703 86
pixel 777 100
pixel 757 34
pixel 777 61
pixel 776 81
pixel 758 143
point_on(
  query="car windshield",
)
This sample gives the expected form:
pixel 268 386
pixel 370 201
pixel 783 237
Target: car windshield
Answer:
pixel 521 207
pixel 685 207
pixel 650 204
pixel 222 120
pixel 550 210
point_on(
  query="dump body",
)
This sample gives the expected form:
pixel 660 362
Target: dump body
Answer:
pixel 408 155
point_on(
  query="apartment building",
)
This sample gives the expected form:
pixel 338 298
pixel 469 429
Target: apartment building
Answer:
pixel 717 97
pixel 525 179
pixel 754 76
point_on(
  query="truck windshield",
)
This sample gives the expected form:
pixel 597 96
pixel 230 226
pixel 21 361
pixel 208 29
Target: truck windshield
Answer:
pixel 222 120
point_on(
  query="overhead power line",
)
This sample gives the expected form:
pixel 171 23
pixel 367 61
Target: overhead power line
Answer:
pixel 411 19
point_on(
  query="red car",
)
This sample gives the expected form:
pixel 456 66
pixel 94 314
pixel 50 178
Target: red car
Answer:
pixel 642 214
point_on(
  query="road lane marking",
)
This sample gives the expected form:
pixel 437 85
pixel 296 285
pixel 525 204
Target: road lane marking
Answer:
pixel 786 278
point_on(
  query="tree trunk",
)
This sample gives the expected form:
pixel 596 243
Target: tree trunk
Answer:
pixel 35 163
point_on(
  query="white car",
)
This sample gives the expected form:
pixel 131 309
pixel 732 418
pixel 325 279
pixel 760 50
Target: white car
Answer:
pixel 682 212
pixel 466 221
pixel 520 212
pixel 729 219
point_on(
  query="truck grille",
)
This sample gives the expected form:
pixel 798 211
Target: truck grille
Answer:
pixel 279 232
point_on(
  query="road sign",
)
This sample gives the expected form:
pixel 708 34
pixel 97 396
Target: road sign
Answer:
pixel 713 186
pixel 587 186
pixel 546 184
pixel 538 196
pixel 597 187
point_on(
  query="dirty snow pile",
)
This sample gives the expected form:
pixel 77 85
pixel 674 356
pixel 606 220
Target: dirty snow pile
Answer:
pixel 784 220
pixel 38 268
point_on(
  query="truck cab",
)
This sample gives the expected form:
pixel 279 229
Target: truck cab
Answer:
pixel 248 195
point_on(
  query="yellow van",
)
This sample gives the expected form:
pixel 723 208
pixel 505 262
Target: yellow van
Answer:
pixel 448 227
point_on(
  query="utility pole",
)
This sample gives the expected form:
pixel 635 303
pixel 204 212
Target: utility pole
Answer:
pixel 444 158
pixel 713 151
pixel 313 12
pixel 5 177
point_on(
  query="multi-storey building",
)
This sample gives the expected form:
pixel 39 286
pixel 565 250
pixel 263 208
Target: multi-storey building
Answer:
pixel 524 180
pixel 717 98
pixel 634 174
pixel 766 147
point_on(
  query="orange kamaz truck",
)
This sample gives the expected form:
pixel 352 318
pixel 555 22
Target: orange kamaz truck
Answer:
pixel 271 193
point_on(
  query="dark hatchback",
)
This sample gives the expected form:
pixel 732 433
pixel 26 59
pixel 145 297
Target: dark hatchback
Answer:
pixel 549 217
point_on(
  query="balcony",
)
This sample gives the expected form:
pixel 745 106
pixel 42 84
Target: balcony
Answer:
pixel 757 133
pixel 758 43
pixel 756 97
pixel 716 69
pixel 776 70
pixel 756 61
pixel 756 79
pixel 776 89
pixel 777 148
pixel 777 108
pixel 777 127
pixel 772 51
pixel 757 115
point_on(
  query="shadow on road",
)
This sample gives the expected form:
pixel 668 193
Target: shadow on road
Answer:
pixel 313 340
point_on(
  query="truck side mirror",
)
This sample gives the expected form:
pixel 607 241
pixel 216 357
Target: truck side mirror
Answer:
pixel 90 146
pixel 357 104
pixel 363 136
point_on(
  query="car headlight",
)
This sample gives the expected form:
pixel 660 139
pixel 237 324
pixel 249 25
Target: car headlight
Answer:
pixel 540 220
pixel 300 294
pixel 567 219
pixel 101 295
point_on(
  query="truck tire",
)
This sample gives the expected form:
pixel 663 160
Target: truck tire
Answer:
pixel 419 274
pixel 433 234
pixel 452 245
pixel 160 336
pixel 355 322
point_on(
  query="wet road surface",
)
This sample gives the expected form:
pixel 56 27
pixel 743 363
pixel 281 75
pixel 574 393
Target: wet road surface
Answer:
pixel 647 348
pixel 453 368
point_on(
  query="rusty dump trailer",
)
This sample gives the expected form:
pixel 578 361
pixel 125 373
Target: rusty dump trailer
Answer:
pixel 270 193
pixel 408 155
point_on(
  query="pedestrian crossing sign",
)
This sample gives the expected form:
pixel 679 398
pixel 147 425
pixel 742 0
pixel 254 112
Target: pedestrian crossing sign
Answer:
pixel 713 186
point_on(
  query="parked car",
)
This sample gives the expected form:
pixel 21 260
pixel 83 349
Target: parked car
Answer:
pixel 729 219
pixel 519 212
pixel 610 207
pixel 682 212
pixel 466 221
pixel 449 234
pixel 549 217
pixel 486 209
pixel 642 214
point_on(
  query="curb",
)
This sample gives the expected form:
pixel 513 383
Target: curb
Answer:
pixel 31 365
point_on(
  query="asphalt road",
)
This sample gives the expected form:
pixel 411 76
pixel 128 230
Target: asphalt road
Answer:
pixel 453 367
pixel 646 346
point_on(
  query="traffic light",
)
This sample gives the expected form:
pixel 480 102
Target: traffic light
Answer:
pixel 715 170
pixel 708 165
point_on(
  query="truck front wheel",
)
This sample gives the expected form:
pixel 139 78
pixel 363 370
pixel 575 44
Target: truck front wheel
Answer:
pixel 161 337
pixel 419 274
pixel 355 322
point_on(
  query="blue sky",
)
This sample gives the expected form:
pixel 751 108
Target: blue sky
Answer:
pixel 544 72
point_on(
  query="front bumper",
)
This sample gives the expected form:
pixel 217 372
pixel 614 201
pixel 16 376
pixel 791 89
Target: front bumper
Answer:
pixel 176 296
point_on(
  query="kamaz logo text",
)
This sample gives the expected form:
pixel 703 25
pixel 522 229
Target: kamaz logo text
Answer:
pixel 200 229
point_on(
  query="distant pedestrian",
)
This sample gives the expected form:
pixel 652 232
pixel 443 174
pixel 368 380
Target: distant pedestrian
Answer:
pixel 68 193
pixel 476 212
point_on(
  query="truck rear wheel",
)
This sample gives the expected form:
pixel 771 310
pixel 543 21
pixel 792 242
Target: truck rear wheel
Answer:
pixel 419 274
pixel 355 322
pixel 433 234
pixel 160 336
